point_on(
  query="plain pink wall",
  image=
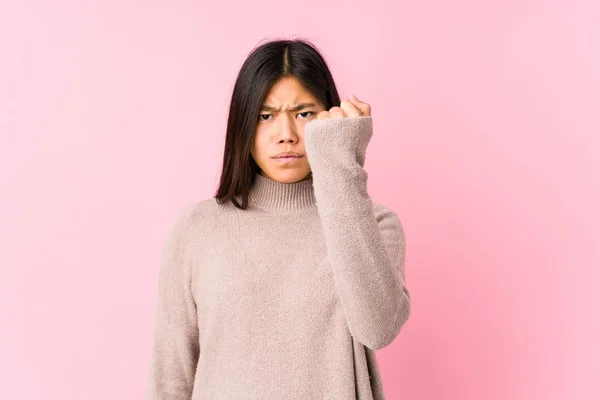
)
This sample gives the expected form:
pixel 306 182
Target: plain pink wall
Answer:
pixel 487 137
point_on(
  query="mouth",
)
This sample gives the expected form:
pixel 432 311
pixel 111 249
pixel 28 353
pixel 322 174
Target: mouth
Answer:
pixel 287 155
pixel 287 159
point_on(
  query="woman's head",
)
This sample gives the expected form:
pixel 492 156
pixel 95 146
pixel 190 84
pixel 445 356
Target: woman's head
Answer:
pixel 281 86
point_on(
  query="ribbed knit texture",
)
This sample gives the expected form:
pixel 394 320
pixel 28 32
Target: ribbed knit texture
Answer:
pixel 290 298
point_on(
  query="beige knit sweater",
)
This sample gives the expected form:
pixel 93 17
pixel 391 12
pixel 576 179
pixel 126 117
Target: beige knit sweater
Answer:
pixel 289 299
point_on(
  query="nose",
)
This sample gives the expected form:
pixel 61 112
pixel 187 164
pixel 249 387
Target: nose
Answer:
pixel 287 131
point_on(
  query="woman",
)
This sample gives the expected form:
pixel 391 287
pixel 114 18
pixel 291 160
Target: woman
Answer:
pixel 284 284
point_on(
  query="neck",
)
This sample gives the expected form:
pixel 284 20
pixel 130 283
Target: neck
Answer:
pixel 269 194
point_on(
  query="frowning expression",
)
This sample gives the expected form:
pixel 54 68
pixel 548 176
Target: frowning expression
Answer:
pixel 278 146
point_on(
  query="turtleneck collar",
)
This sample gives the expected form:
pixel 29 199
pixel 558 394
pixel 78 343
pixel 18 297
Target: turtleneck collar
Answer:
pixel 269 194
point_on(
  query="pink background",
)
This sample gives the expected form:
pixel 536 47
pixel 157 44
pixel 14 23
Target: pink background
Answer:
pixel 487 145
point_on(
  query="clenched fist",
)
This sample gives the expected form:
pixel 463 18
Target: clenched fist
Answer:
pixel 351 107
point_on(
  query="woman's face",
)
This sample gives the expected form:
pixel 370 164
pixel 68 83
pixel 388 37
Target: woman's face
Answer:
pixel 288 107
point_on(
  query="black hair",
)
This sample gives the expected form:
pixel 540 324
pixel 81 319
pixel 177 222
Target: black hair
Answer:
pixel 263 68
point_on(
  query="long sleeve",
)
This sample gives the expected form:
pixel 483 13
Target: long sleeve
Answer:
pixel 176 345
pixel 365 244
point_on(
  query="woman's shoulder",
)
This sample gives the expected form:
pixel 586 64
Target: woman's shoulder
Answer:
pixel 199 207
pixel 196 214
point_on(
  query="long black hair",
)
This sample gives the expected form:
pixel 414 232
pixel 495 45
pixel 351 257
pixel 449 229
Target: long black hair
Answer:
pixel 265 66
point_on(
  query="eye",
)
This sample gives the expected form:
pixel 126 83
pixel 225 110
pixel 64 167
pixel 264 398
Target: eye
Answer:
pixel 306 112
pixel 260 117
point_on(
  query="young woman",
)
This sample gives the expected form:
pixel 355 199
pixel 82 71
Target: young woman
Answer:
pixel 285 283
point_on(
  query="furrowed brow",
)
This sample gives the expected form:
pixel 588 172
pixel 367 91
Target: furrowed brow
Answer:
pixel 299 107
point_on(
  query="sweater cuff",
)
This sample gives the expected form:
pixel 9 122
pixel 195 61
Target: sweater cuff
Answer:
pixel 338 139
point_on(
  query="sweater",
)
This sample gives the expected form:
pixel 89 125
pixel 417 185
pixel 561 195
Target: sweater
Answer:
pixel 290 298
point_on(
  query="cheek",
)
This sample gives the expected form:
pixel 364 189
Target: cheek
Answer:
pixel 260 145
pixel 301 131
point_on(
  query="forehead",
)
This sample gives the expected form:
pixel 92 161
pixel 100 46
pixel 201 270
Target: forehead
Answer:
pixel 288 91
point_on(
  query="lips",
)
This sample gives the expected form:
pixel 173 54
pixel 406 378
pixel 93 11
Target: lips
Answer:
pixel 287 154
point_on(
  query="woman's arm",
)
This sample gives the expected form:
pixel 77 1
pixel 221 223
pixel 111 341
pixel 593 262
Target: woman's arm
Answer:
pixel 176 346
pixel 365 243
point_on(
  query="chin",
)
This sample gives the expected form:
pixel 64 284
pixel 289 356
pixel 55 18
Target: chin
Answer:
pixel 288 176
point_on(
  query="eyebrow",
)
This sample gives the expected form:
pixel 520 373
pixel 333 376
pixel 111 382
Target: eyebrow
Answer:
pixel 299 107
